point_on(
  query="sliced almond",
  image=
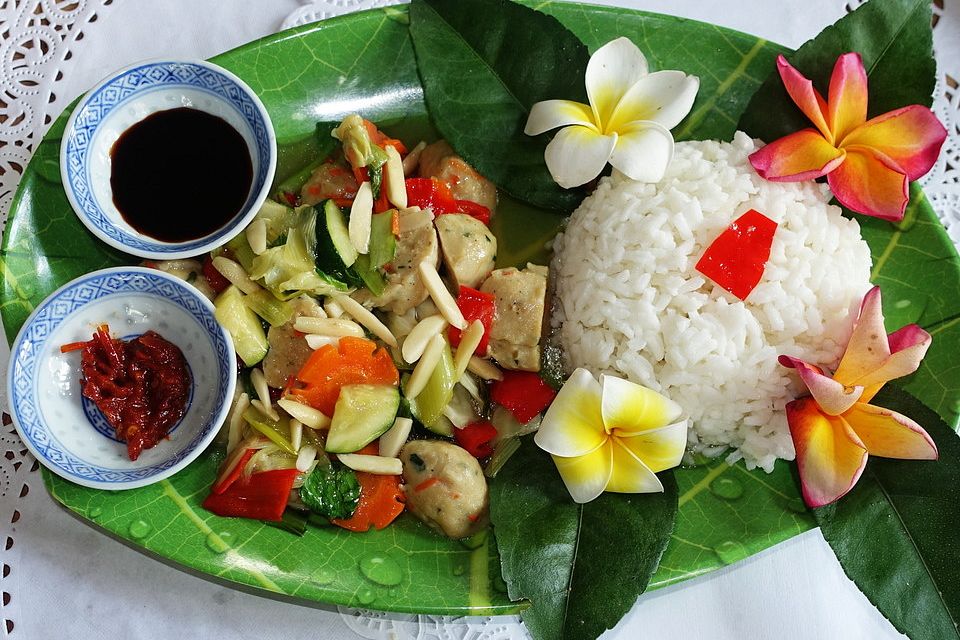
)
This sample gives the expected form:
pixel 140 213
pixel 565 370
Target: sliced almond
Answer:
pixel 379 465
pixel 365 317
pixel 296 434
pixel 441 297
pixel 331 308
pixel 484 368
pixel 265 409
pixel 315 340
pixel 393 178
pixel 336 327
pixel 413 159
pixel 237 423
pixel 469 341
pixel 306 457
pixel 305 414
pixel 236 274
pixel 419 336
pixel 257 235
pixel 360 215
pixel 425 366
pixel 396 436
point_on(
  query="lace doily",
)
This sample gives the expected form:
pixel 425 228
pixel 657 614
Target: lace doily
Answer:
pixel 38 38
pixel 39 41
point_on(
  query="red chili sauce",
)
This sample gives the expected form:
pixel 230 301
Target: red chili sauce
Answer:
pixel 141 385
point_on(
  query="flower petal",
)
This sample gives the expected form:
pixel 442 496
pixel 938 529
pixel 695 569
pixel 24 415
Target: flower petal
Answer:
pixel 867 183
pixel 664 97
pixel 573 425
pixel 805 96
pixel 900 363
pixel 577 155
pixel 911 137
pixel 629 407
pixel 833 397
pixel 587 476
pixel 872 358
pixel 658 449
pixel 867 347
pixel 611 71
pixel 803 155
pixel 830 456
pixel 551 114
pixel 889 434
pixel 643 151
pixel 847 96
pixel 630 474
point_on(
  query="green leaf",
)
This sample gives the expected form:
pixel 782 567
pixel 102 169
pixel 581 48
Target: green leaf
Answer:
pixel 894 39
pixel 581 566
pixel 728 513
pixel 483 64
pixel 331 491
pixel 895 532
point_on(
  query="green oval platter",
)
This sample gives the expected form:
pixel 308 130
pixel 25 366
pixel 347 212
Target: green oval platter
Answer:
pixel 365 63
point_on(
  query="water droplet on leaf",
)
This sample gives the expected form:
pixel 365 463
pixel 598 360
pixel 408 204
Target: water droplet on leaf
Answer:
pixel 902 304
pixel 366 597
pixel 730 552
pixel 139 529
pixel 381 569
pixel 94 512
pixel 459 569
pixel 322 576
pixel 219 542
pixel 726 488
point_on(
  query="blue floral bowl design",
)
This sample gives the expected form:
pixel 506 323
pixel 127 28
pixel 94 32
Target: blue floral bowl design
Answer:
pixel 66 434
pixel 128 97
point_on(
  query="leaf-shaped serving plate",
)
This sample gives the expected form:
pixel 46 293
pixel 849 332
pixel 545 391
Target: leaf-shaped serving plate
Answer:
pixel 365 63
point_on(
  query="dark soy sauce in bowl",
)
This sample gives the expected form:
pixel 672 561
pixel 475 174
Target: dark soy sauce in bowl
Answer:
pixel 180 174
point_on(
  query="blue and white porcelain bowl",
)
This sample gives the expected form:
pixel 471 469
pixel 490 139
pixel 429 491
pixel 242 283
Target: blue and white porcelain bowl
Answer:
pixel 65 431
pixel 128 97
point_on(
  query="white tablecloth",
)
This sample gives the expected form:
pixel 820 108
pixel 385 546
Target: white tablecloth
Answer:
pixel 62 579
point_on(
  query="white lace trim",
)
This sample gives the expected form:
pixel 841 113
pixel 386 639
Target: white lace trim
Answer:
pixel 39 37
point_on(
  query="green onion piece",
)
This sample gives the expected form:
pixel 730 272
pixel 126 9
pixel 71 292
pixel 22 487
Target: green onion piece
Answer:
pixel 501 453
pixel 383 244
pixel 278 432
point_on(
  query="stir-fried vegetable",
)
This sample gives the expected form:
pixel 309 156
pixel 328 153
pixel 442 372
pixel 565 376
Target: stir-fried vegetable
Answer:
pixel 353 361
pixel 331 490
pixel 364 256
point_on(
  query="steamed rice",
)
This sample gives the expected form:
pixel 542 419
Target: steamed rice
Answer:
pixel 629 301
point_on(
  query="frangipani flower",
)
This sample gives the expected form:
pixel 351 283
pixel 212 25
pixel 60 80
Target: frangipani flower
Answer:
pixel 835 429
pixel 611 436
pixel 627 122
pixel 868 163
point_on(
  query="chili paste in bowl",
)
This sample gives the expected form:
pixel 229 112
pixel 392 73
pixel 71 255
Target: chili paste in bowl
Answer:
pixel 134 403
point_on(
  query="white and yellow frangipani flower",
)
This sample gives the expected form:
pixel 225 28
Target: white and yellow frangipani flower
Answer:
pixel 611 435
pixel 627 122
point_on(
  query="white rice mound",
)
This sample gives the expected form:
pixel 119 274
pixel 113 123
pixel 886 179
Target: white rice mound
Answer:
pixel 629 301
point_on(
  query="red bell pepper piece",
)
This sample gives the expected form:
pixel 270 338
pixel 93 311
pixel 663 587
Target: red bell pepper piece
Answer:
pixel 522 393
pixel 736 259
pixel 214 278
pixel 475 305
pixel 430 192
pixel 235 472
pixel 476 437
pixel 262 496
pixel 475 210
